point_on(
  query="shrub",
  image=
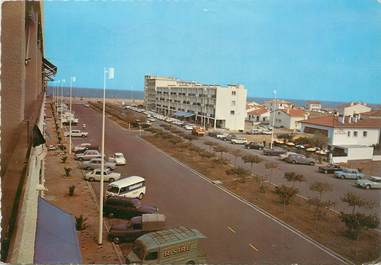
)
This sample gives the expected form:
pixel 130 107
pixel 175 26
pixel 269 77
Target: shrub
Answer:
pixel 286 194
pixel 63 159
pixel 239 172
pixel 67 171
pixel 206 154
pixel 175 140
pixel 190 137
pixel 80 223
pixel 71 190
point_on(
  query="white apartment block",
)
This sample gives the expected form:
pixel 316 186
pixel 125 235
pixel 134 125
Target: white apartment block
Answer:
pixel 313 105
pixel 278 104
pixel 353 108
pixel 213 105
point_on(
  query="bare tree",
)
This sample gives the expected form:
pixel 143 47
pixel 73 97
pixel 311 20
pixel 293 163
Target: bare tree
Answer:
pixel 236 153
pixel 318 203
pixel 240 172
pixel 270 166
pixel 220 149
pixel 293 177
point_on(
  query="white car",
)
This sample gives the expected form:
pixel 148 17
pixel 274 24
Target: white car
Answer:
pixel 151 119
pixel 371 183
pixel 188 127
pixel 76 133
pixel 118 158
pixel 238 141
pixel 87 155
pixel 108 175
pixel 81 147
pixel 285 155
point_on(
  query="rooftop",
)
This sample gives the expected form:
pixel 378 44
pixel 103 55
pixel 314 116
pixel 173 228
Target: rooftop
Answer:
pixel 258 111
pixel 294 112
pixel 337 122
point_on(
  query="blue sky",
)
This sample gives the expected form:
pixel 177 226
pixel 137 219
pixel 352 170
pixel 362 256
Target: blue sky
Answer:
pixel 306 49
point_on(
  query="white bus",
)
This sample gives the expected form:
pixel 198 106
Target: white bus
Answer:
pixel 130 187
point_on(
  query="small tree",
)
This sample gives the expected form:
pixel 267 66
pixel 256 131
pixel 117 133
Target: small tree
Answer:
pixel 240 172
pixel 252 159
pixel 211 144
pixel 270 166
pixel 356 222
pixel 318 203
pixel 190 137
pixel 80 223
pixel 63 159
pixel 293 177
pixel 71 190
pixel 67 171
pixel 286 194
pixel 220 149
pixel 236 153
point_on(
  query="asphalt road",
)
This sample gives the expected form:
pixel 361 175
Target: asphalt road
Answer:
pixel 236 232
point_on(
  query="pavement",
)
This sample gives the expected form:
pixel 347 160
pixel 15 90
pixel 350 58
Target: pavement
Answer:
pixel 237 232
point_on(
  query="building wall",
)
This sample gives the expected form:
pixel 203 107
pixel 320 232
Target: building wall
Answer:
pixel 21 99
pixel 265 117
pixel 355 109
pixel 283 120
pixel 346 136
pixel 231 106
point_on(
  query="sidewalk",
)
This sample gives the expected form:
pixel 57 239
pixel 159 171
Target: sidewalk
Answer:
pixel 81 203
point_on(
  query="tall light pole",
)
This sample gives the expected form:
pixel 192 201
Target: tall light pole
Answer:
pixel 273 122
pixel 72 79
pixel 57 89
pixel 62 94
pixel 108 73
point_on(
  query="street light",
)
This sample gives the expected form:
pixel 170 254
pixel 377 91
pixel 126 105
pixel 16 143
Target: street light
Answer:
pixel 273 122
pixel 72 79
pixel 110 75
pixel 63 82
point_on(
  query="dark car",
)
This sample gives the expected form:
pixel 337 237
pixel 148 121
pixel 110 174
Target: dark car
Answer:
pixel 330 168
pixel 126 207
pixel 136 227
pixel 254 145
pixel 273 152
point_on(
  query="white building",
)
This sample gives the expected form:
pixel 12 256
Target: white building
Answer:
pixel 353 109
pixel 349 138
pixel 276 104
pixel 312 105
pixel 259 115
pixel 288 118
pixel 213 105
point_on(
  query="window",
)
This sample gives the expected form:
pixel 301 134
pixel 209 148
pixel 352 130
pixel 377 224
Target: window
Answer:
pixel 349 133
pixel 355 133
pixel 364 133
pixel 234 93
pixel 232 112
pixel 151 256
pixel 233 102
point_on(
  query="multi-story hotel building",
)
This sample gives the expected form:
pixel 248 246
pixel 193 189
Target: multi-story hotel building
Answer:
pixel 210 105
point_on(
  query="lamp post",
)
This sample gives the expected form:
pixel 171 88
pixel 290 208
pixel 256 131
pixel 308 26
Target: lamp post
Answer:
pixel 108 73
pixel 72 79
pixel 63 82
pixel 273 121
pixel 56 99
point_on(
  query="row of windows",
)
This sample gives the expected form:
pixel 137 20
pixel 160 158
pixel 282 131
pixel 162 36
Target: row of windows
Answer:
pixel 189 94
pixel 355 133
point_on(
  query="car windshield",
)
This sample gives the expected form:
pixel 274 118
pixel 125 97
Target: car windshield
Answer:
pixel 375 179
pixel 113 189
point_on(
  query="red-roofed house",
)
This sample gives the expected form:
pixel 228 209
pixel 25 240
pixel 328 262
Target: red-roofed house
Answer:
pixel 349 138
pixel 259 115
pixel 288 118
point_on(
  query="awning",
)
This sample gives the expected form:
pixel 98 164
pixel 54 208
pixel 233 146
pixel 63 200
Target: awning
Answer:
pixel 49 70
pixel 56 236
pixel 183 114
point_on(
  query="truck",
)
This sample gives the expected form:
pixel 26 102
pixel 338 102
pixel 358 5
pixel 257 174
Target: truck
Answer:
pixel 180 245
pixel 198 131
pixel 136 227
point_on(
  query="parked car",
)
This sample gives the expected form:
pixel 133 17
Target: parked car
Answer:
pixel 84 148
pixel 349 173
pixel 299 146
pixel 222 136
pixel 81 147
pixel 273 152
pixel 300 159
pixel 371 183
pixel 136 227
pixel 87 155
pixel 230 136
pixel 126 207
pixel 239 140
pixel 254 145
pixel 285 155
pixel 198 131
pixel 118 158
pixel 76 133
pixel 108 175
pixel 330 168
pixel 95 163
pixel 267 132
pixel 188 127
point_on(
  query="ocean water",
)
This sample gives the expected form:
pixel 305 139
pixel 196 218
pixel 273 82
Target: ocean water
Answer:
pixel 138 94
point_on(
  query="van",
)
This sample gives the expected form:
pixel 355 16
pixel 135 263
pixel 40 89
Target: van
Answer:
pixel 172 246
pixel 130 187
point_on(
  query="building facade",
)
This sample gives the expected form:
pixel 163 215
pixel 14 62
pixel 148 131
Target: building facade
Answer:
pixel 288 118
pixel 313 105
pixel 349 138
pixel 261 115
pixel 213 105
pixel 278 104
pixel 353 109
